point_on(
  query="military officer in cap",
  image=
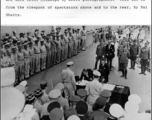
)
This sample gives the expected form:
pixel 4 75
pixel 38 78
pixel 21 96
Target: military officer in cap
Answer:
pixel 70 48
pixel 78 37
pixel 43 54
pixel 104 70
pixel 68 79
pixel 21 62
pixel 63 101
pixel 30 100
pixel 58 47
pixel 9 58
pixel 82 109
pixel 45 97
pixel 66 43
pixel 14 44
pixel 99 105
pixel 37 55
pixel 100 53
pixel 107 94
pixel 144 56
pixel 54 46
pixel 134 52
pixel 62 47
pixel 73 100
pixel 16 66
pixel 32 57
pixel 56 114
pixel 26 60
pixel 94 89
pixel 82 93
pixel 48 49
pixel 84 37
pixel 124 56
pixel 38 102
pixel 36 33
pixel 53 96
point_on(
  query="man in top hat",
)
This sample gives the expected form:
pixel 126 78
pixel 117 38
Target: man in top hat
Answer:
pixel 144 57
pixel 94 89
pixel 43 54
pixel 63 101
pixel 31 57
pixel 82 109
pixel 45 97
pixel 15 58
pixel 107 94
pixel 82 93
pixel 104 70
pixel 84 37
pixel 68 79
pixel 26 60
pixel 72 111
pixel 110 53
pixel 134 52
pixel 37 55
pixel 100 105
pixel 100 53
pixel 66 43
pixel 53 96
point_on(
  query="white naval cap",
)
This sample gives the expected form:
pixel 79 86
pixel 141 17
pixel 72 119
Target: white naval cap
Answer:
pixel 96 73
pixel 24 83
pixel 55 93
pixel 73 117
pixel 70 63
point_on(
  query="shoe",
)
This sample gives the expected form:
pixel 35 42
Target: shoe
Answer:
pixel 144 73
pixel 130 68
pixel 141 73
pixel 125 77
pixel 122 76
pixel 133 68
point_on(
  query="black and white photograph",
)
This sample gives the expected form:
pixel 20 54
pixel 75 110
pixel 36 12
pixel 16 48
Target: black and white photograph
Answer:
pixel 76 72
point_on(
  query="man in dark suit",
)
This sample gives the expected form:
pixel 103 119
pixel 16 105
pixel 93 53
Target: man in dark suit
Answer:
pixel 104 70
pixel 110 53
pixel 87 74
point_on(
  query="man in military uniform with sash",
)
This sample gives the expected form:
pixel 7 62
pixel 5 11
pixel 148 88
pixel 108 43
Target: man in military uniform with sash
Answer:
pixel 134 52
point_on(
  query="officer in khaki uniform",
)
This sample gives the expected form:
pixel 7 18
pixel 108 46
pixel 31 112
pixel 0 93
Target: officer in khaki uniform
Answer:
pixel 26 60
pixel 70 45
pixel 15 57
pixel 32 57
pixel 66 43
pixel 21 62
pixel 43 53
pixel 68 79
pixel 63 101
pixel 37 55
pixel 58 48
pixel 62 47
pixel 78 38
pixel 48 49
pixel 144 57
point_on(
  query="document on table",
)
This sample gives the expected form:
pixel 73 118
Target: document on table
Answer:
pixel 82 83
pixel 108 87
